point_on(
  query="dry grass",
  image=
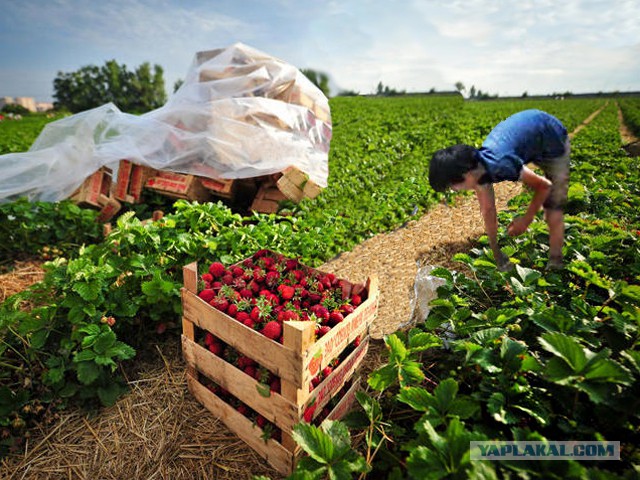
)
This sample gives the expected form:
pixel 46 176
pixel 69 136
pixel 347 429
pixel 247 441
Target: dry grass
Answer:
pixel 23 274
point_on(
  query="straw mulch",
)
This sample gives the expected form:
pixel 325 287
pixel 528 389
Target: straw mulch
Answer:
pixel 23 274
pixel 158 431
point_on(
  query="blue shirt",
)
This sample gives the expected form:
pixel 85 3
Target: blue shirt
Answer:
pixel 527 136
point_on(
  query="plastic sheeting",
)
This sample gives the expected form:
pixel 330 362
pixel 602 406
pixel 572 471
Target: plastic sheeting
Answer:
pixel 240 113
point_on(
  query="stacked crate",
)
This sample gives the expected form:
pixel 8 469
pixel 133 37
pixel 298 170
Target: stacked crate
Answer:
pixel 95 192
pixel 296 361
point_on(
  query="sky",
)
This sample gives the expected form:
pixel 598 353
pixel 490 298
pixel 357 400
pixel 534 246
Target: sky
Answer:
pixel 503 47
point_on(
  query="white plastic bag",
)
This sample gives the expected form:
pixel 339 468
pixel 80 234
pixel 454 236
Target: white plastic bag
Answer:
pixel 240 113
pixel 425 289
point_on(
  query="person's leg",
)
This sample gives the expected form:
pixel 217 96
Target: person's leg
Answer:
pixel 555 220
pixel 557 170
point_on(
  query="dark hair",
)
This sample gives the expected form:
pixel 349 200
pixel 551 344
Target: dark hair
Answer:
pixel 449 165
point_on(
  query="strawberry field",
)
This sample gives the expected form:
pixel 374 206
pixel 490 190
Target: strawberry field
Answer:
pixel 521 355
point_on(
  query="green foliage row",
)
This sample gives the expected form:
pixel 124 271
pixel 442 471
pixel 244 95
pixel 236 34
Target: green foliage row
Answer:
pixel 27 228
pixel 18 135
pixel 527 355
pixel 631 112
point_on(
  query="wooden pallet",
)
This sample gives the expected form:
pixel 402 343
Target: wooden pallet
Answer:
pixel 296 361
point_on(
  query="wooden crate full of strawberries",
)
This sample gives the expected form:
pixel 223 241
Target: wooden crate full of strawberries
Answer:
pixel 270 342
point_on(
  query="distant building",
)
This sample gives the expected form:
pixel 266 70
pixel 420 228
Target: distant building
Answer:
pixel 27 102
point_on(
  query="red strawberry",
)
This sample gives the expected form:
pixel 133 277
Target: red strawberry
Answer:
pixel 258 275
pixel 207 295
pixel 216 348
pixel 286 292
pixel 314 298
pixel 248 262
pixel 217 269
pixel 347 309
pixel 209 339
pixel 291 264
pixel 220 303
pixel 326 371
pixel 244 361
pixel 246 293
pixel 243 409
pixel 335 317
pixel 272 330
pixel 315 381
pixel 227 279
pixel 237 271
pixel 242 316
pixel 261 421
pixel 274 386
pixel 216 285
pixel 356 342
pixel 271 278
pixel 254 286
pixel 260 253
pixel 290 315
pixel 321 312
pixel 308 413
pixel 322 330
pixel 232 310
pixel 250 370
pixel 249 323
pixel 161 328
pixel 207 277
pixel 356 300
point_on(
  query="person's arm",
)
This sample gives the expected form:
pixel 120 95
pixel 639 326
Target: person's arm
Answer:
pixel 540 186
pixel 487 201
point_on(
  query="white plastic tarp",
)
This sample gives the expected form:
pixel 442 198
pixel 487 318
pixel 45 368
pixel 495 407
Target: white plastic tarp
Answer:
pixel 240 113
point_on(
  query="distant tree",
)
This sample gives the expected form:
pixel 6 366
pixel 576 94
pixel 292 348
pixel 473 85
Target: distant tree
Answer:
pixel 385 90
pixel 92 86
pixel 525 94
pixel 319 79
pixel 432 90
pixel 472 92
pixel 178 83
pixel 460 87
pixel 348 93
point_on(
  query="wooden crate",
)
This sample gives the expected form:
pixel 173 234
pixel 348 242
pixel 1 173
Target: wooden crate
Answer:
pixel 95 185
pixel 296 361
pixel 95 192
pixel 130 181
pixel 177 185
pixel 296 185
pixel 225 188
pixel 268 198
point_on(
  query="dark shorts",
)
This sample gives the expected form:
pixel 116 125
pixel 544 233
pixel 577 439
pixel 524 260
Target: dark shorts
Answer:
pixel 557 170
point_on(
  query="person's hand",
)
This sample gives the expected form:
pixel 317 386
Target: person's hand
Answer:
pixel 518 226
pixel 503 263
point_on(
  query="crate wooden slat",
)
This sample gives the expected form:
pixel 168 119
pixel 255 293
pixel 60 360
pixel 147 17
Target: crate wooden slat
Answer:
pixel 296 361
pixel 225 188
pixel 272 451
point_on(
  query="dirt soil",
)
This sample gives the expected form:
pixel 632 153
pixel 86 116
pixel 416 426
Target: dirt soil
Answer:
pixel 158 431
